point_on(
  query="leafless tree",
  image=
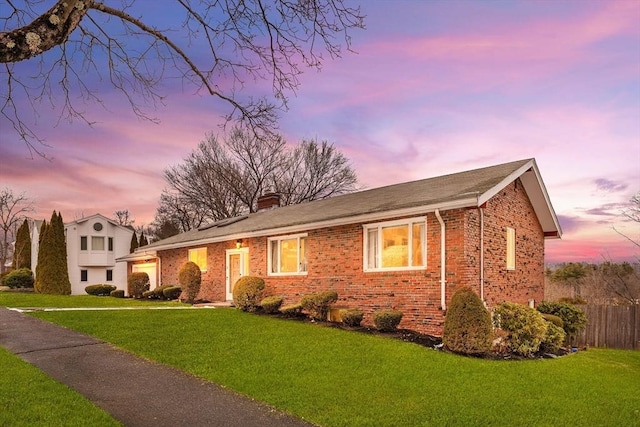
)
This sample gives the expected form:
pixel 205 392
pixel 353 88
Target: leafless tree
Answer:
pixel 214 47
pixel 179 211
pixel 223 178
pixel 123 217
pixel 13 210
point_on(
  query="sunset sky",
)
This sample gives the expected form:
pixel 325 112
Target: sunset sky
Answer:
pixel 434 87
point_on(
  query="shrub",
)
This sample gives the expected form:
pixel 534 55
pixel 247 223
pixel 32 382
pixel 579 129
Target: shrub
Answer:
pixel 149 295
pixel 118 293
pixel 247 293
pixel 553 319
pixel 172 292
pixel 317 305
pixel 137 284
pixel 553 339
pixel 467 325
pixel 573 317
pixel 189 278
pixel 574 300
pixel 292 310
pixel 387 320
pixel 20 278
pixel 351 317
pixel 271 305
pixel 100 290
pixel 525 327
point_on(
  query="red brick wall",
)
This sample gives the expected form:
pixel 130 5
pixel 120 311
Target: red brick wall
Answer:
pixel 335 263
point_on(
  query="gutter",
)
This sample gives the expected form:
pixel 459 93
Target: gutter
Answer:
pixel 481 209
pixel 443 266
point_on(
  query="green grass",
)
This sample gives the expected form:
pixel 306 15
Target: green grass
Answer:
pixel 28 397
pixel 30 300
pixel 338 378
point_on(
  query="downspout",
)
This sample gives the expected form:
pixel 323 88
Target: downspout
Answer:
pixel 443 269
pixel 482 254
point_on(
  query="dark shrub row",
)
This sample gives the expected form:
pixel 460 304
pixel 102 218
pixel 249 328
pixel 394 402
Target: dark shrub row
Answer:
pixel 164 292
pixel 100 290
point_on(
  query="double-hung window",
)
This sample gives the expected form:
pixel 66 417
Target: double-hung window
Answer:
pixel 395 245
pixel 199 256
pixel 288 255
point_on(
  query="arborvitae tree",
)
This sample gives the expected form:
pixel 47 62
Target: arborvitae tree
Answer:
pixel 134 243
pixel 22 250
pixel 143 240
pixel 52 275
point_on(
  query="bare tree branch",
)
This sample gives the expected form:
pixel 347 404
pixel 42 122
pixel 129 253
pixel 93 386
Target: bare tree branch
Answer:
pixel 74 52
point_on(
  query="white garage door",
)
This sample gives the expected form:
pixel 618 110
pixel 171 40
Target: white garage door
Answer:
pixel 150 269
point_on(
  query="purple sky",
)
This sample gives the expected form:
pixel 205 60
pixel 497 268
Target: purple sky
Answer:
pixel 435 87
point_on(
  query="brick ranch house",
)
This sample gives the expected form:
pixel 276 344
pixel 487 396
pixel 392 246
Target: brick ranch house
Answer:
pixel 407 246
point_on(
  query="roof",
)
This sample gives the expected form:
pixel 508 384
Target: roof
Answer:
pixel 97 216
pixel 464 189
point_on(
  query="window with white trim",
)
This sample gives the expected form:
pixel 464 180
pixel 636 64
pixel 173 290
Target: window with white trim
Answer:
pixel 288 255
pixel 511 248
pixel 97 243
pixel 199 256
pixel 395 245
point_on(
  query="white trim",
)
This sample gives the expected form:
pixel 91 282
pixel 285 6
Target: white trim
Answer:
pixel 394 223
pixel 244 268
pixel 298 260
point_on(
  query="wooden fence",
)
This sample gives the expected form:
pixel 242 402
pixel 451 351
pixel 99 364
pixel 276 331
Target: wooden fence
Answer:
pixel 612 326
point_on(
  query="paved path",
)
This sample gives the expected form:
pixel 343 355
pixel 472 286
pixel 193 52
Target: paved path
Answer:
pixel 133 390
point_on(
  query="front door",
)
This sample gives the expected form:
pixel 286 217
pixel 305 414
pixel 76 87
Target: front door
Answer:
pixel 237 266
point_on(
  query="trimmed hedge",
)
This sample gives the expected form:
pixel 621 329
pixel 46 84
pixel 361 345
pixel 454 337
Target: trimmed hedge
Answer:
pixel 292 310
pixel 247 293
pixel 137 284
pixel 525 327
pixel 317 305
pixel 20 278
pixel 387 320
pixel 190 278
pixel 351 317
pixel 553 339
pixel 118 293
pixel 100 290
pixel 271 305
pixel 172 292
pixel 467 325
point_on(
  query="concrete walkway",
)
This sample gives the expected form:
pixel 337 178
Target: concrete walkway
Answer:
pixel 133 390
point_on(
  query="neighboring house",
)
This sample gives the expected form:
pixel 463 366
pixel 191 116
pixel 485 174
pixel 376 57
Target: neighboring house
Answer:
pixel 406 246
pixel 93 244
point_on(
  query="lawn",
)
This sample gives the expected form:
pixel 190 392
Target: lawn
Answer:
pixel 31 300
pixel 339 378
pixel 28 397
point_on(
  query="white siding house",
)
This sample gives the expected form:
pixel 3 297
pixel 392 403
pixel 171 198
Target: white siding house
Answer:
pixel 93 244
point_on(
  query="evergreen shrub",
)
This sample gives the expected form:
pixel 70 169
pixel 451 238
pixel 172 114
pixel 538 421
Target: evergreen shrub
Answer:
pixel 573 317
pixel 247 293
pixel 525 327
pixel 553 319
pixel 172 292
pixel 271 305
pixel 467 325
pixel 189 278
pixel 21 278
pixel 100 290
pixel 118 293
pixel 317 305
pixel 137 284
pixel 292 310
pixel 387 320
pixel 351 317
pixel 553 339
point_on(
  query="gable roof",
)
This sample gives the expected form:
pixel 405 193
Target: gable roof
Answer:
pixel 459 190
pixel 97 216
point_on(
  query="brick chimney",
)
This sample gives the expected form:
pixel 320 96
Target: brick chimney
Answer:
pixel 268 201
